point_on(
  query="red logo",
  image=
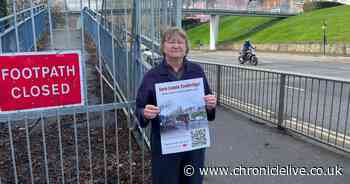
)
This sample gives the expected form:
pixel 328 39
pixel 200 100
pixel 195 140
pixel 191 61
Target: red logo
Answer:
pixel 40 80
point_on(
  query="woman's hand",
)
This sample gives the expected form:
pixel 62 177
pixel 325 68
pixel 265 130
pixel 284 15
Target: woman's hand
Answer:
pixel 151 111
pixel 210 101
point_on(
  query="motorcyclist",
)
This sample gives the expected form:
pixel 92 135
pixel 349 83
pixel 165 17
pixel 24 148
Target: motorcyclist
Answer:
pixel 246 46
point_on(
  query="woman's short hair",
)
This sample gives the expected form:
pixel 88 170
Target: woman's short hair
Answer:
pixel 171 32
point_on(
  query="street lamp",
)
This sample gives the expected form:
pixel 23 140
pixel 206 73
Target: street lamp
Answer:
pixel 324 28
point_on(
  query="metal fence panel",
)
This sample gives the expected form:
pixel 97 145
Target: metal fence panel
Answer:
pixel 314 106
pixel 92 143
pixel 25 30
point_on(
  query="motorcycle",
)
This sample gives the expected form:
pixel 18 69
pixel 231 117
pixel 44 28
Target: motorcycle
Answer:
pixel 249 56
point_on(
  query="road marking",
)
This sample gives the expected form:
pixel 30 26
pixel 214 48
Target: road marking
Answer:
pixel 248 107
pixel 302 127
pixel 318 132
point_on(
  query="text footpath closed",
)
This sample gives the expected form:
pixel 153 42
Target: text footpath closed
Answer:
pixel 40 80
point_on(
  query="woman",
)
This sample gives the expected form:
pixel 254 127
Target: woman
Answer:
pixel 169 168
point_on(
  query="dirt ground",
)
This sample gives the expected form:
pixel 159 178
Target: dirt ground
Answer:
pixel 123 155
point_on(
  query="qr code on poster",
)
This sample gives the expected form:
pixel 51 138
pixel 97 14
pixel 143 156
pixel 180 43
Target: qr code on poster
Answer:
pixel 199 137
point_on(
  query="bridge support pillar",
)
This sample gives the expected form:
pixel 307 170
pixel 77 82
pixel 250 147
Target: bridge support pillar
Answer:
pixel 179 13
pixel 214 30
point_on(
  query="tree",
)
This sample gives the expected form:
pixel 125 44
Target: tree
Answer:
pixel 3 13
pixel 3 8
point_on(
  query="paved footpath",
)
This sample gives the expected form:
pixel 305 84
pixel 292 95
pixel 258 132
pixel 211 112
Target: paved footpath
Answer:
pixel 237 141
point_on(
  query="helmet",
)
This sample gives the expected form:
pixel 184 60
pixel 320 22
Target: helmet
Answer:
pixel 247 41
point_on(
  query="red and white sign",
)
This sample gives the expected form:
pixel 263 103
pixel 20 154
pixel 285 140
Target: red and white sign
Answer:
pixel 40 80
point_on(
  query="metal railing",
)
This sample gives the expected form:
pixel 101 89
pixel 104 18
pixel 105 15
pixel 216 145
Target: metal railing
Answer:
pixel 125 73
pixel 88 144
pixel 100 31
pixel 285 99
pixel 70 147
pixel 94 144
pixel 292 101
pixel 263 7
pixel 22 15
pixel 314 106
pixel 8 37
pixel 249 13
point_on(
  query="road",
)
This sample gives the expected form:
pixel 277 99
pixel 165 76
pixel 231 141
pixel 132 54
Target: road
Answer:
pixel 323 104
pixel 317 65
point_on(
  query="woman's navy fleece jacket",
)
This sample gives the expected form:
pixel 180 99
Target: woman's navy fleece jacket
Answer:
pixel 147 95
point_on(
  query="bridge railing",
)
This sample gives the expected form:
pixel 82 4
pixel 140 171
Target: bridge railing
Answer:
pixel 24 26
pixel 313 106
pixel 268 6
